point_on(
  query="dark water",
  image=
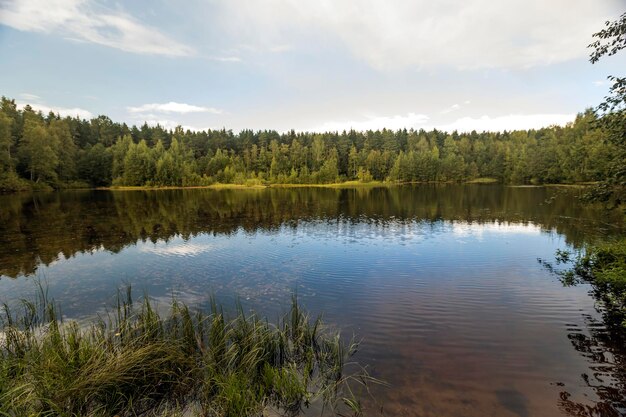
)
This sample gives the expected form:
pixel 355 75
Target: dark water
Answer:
pixel 441 283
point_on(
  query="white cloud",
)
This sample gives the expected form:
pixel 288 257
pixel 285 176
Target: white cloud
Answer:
pixel 280 48
pixel 226 58
pixel 601 83
pixel 63 111
pixel 173 107
pixel 451 109
pixel 172 124
pixel 83 20
pixel 464 124
pixel 396 34
pixel 509 123
pixel 159 114
pixel 409 120
pixel 31 97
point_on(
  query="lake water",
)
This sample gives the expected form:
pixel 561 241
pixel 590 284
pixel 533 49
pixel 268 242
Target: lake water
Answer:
pixel 441 283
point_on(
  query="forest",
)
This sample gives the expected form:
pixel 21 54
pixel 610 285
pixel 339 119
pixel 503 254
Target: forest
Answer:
pixel 43 151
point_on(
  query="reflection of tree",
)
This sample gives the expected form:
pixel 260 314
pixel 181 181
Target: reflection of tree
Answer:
pixel 604 348
pixel 38 229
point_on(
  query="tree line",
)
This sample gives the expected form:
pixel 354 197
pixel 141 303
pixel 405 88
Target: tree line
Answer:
pixel 41 151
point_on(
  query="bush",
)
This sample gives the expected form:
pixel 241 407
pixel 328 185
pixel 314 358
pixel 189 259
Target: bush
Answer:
pixel 11 182
pixel 253 182
pixel 604 267
pixel 72 185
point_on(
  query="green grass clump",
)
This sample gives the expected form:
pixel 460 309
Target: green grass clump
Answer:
pixel 134 362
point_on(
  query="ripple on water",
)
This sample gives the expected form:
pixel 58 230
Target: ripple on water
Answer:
pixel 456 315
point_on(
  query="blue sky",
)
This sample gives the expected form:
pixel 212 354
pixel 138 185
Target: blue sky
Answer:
pixel 308 65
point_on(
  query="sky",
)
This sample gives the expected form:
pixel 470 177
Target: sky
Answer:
pixel 322 65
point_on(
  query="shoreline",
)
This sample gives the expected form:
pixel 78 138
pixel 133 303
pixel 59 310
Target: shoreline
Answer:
pixel 339 185
pixel 344 184
pixel 221 186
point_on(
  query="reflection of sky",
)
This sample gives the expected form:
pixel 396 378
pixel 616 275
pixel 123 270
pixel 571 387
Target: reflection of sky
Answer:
pixel 478 230
pixel 175 247
pixel 333 254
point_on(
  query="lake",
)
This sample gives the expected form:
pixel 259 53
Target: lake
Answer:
pixel 442 284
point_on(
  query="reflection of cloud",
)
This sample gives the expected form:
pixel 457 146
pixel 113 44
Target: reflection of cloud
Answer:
pixel 182 249
pixel 462 229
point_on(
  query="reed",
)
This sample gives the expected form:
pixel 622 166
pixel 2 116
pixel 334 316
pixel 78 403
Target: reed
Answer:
pixel 135 361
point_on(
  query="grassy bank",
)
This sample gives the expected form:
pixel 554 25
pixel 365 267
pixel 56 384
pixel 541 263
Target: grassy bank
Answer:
pixel 134 362
pixel 256 185
pixel 485 180
pixel 345 184
pixel 210 187
pixel 259 185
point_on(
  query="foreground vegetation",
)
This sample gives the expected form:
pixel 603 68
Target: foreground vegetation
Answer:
pixel 134 362
pixel 604 267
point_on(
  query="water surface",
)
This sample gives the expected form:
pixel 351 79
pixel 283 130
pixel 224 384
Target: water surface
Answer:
pixel 441 283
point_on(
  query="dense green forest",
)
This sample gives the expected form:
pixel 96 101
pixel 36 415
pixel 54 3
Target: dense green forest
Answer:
pixel 41 151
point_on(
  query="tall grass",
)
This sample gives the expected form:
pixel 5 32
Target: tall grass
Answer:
pixel 136 362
